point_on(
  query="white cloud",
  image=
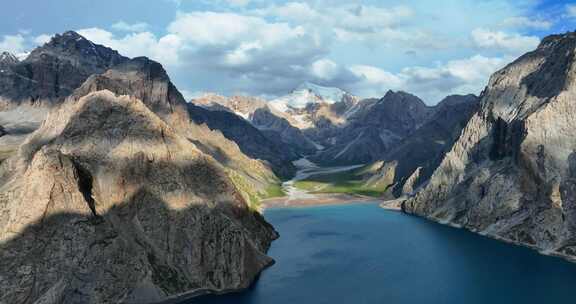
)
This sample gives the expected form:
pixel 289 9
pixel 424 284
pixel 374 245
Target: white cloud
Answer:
pixel 513 43
pixel 260 48
pixel 523 22
pixel 325 69
pixel 13 43
pixel 351 22
pixel 42 39
pixel 127 27
pixel 571 10
pixel 164 50
pixel 461 76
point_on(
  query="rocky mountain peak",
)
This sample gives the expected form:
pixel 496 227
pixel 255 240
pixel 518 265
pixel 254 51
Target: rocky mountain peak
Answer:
pixel 540 75
pixel 454 100
pixel 509 174
pixel 8 59
pixel 75 48
pixel 402 98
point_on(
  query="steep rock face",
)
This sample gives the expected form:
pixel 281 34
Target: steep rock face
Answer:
pixel 276 126
pixel 510 175
pixel 53 71
pixel 148 81
pixel 29 88
pixel 251 141
pixel 424 149
pixel 375 129
pixel 107 203
pixel 280 130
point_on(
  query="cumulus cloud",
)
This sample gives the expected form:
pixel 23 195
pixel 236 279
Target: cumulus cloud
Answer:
pixel 267 48
pixel 513 43
pixel 461 76
pixel 164 49
pixel 352 22
pixel 130 27
pixel 247 46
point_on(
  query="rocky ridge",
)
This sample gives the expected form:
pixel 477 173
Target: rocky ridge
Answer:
pixel 510 175
pixel 121 197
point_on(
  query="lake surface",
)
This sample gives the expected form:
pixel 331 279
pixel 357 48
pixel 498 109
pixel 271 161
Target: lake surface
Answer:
pixel 364 254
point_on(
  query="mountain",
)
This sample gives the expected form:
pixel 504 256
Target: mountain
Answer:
pixel 148 81
pixel 278 127
pixel 309 94
pixel 412 161
pixel 53 71
pixel 375 128
pixel 110 204
pixel 7 60
pixel 511 174
pixel 250 140
pixel 316 110
pixel 243 106
pixel 120 196
pixel 29 88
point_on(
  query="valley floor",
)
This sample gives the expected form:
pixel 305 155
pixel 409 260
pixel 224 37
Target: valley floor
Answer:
pixel 313 186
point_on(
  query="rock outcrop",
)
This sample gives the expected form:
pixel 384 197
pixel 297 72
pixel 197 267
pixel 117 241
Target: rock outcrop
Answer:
pixel 108 203
pixel 510 175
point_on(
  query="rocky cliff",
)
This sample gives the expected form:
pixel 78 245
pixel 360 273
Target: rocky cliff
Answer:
pixel 107 203
pixel 415 157
pixel 511 174
pixel 120 196
pixel 148 81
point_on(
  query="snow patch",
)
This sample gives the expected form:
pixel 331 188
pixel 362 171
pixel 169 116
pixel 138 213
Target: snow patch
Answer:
pixel 307 93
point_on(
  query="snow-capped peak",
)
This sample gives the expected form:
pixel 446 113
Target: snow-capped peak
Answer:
pixel 308 93
pixel 8 57
pixel 326 93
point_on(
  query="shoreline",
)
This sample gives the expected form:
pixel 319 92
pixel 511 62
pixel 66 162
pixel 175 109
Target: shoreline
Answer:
pixel 324 199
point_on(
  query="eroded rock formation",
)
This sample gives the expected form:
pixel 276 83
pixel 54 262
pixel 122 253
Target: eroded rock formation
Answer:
pixel 107 203
pixel 510 175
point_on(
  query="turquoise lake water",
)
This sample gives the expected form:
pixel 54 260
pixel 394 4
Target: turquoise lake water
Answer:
pixel 364 254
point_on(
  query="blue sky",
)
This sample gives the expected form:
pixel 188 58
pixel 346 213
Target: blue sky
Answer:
pixel 266 48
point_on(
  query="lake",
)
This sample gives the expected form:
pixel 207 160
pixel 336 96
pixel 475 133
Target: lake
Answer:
pixel 363 254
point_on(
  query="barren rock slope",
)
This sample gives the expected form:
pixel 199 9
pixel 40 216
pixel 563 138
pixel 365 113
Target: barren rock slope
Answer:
pixel 107 203
pixel 512 173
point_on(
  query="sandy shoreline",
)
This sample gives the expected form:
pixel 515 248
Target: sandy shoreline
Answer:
pixel 317 200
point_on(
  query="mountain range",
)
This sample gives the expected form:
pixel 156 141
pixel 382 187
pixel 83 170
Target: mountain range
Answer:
pixel 115 189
